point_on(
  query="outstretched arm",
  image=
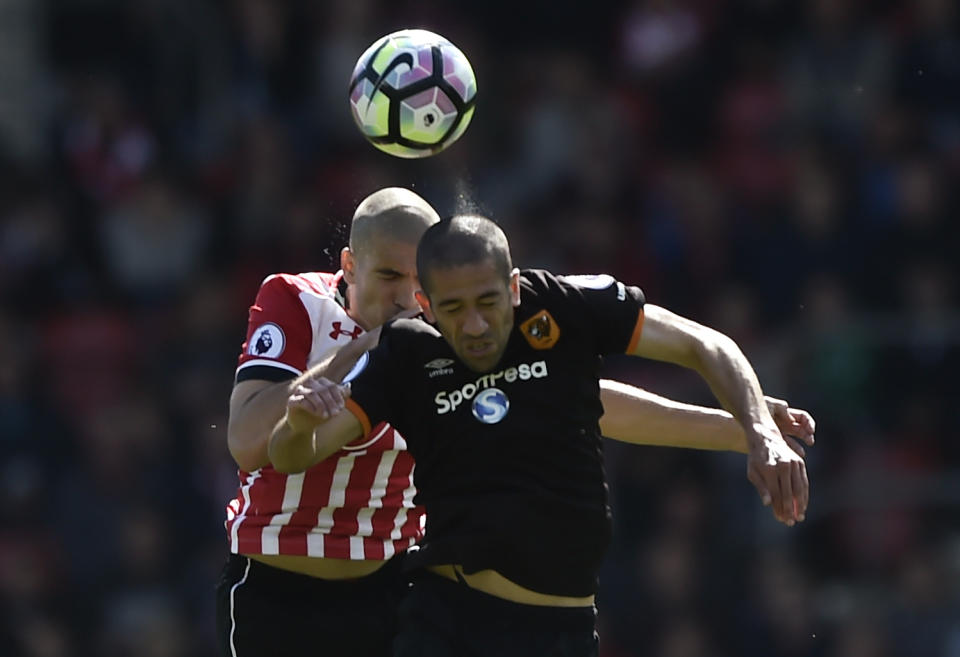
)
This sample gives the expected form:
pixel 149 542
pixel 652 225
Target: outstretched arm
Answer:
pixel 774 469
pixel 635 415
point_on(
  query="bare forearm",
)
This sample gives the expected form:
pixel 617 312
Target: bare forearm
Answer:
pixel 290 450
pixel 637 416
pixel 733 381
pixel 675 339
pixel 255 409
pixel 300 441
pixel 772 466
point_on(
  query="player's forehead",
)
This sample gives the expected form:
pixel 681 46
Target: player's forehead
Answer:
pixel 467 282
pixel 388 253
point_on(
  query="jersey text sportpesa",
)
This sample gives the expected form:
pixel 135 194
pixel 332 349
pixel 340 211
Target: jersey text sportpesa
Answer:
pixel 448 401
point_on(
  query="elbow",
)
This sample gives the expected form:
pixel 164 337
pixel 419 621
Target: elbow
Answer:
pixel 289 453
pixel 246 462
pixel 247 459
pixel 712 348
pixel 285 467
pixel 281 459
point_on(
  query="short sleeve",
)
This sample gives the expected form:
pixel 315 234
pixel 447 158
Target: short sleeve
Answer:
pixel 613 310
pixel 373 383
pixel 279 334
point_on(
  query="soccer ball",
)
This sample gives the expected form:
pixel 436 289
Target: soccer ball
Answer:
pixel 412 93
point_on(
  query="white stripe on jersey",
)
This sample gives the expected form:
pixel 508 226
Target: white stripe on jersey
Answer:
pixel 338 485
pixel 364 521
pixel 270 539
pixel 338 490
pixel 388 549
pixel 315 544
pixel 377 491
pixel 292 492
pixel 270 534
pixel 356 547
pixel 380 480
pixel 235 528
pixel 401 518
pixel 270 363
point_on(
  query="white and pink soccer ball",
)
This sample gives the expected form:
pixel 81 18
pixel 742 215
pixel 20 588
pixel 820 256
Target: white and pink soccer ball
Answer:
pixel 412 93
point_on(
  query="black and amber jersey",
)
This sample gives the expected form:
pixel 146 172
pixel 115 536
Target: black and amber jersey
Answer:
pixel 508 462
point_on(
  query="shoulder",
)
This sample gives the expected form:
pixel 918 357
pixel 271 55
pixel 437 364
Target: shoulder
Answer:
pixel 409 338
pixel 316 293
pixel 542 283
pixel 599 287
pixel 401 341
pixel 317 283
pixel 410 329
pixel 539 282
pixel 577 294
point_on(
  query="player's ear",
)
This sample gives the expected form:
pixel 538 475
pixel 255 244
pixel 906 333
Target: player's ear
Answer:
pixel 515 287
pixel 349 265
pixel 425 305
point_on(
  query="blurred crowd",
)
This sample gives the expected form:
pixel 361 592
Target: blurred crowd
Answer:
pixel 782 171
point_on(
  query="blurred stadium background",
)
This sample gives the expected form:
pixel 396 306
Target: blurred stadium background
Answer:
pixel 784 171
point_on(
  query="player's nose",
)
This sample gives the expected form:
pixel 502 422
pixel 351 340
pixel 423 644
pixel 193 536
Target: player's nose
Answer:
pixel 406 299
pixel 474 324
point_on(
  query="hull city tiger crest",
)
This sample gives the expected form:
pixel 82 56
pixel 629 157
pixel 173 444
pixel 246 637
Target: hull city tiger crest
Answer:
pixel 541 330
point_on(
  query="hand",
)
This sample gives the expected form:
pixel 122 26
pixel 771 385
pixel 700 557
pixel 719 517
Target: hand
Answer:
pixel 779 474
pixel 795 424
pixel 313 401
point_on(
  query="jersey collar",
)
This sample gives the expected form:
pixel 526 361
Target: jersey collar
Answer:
pixel 340 289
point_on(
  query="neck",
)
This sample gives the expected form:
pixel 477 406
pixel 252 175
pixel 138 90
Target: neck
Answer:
pixel 350 306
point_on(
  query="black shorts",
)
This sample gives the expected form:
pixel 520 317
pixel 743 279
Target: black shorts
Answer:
pixel 442 618
pixel 265 611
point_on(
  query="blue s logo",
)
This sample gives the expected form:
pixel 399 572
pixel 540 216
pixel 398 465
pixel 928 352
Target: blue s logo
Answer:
pixel 491 405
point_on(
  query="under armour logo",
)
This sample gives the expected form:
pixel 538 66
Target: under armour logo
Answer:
pixel 338 331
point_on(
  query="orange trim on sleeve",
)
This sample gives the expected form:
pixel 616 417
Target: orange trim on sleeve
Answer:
pixel 637 330
pixel 354 408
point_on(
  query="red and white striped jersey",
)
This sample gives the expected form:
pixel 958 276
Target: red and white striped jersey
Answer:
pixel 357 504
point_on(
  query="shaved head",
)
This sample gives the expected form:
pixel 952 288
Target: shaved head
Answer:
pixel 394 214
pixel 380 264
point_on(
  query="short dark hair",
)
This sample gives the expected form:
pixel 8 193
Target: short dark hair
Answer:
pixel 462 240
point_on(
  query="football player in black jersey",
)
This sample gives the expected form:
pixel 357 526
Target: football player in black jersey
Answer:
pixel 498 398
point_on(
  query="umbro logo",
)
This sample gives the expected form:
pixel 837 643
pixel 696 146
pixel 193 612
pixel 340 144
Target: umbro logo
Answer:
pixel 439 366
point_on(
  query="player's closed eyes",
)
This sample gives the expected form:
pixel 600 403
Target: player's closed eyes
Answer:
pixel 453 309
